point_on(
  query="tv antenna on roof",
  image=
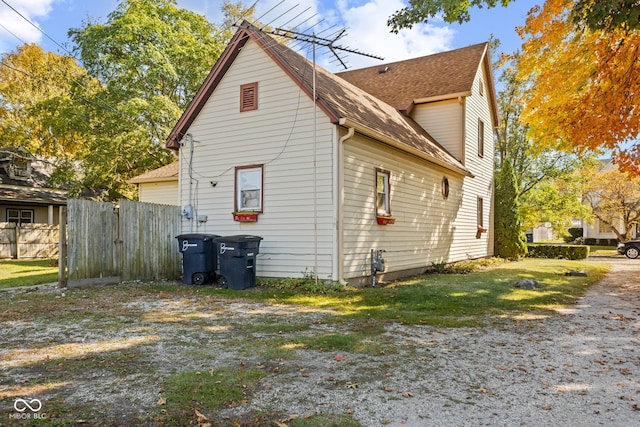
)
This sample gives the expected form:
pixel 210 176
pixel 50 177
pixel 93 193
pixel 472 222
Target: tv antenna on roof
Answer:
pixel 314 39
pixel 322 41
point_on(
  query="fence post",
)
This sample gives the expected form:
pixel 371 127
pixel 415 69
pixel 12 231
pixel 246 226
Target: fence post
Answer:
pixel 17 230
pixel 62 249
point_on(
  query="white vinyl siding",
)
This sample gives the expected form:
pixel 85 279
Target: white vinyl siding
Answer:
pixel 476 108
pixel 423 226
pixel 298 218
pixel 443 121
pixel 163 193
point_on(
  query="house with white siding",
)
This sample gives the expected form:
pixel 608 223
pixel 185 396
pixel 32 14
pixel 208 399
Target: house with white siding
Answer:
pixel 328 167
pixel 158 185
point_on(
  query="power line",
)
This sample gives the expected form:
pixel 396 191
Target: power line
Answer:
pixel 73 95
pixel 10 32
pixel 36 27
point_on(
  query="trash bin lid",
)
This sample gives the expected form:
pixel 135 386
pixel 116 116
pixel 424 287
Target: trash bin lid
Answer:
pixel 239 238
pixel 197 236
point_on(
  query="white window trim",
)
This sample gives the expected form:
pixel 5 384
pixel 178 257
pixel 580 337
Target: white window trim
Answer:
pixel 386 175
pixel 249 179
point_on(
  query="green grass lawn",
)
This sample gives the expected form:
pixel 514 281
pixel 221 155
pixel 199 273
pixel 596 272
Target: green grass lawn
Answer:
pixel 602 250
pixel 27 272
pixel 447 299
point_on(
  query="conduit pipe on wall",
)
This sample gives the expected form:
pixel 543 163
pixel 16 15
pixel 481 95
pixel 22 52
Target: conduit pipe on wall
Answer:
pixel 339 202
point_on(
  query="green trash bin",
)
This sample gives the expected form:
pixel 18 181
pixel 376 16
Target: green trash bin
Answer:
pixel 237 258
pixel 199 257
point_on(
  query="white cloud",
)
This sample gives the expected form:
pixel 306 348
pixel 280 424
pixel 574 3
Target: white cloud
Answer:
pixel 369 33
pixel 367 30
pixel 13 23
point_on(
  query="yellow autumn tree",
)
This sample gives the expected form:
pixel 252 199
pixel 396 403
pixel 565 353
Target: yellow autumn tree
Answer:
pixel 586 84
pixel 614 198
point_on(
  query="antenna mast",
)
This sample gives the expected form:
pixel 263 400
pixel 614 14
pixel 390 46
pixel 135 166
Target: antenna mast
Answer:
pixel 330 44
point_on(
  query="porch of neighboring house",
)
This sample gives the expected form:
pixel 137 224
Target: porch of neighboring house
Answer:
pixel 29 222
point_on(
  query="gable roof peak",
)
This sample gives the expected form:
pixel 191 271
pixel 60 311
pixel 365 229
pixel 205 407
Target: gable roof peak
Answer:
pixel 341 101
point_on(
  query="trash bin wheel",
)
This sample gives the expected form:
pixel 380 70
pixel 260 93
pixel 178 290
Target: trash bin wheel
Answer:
pixel 198 278
pixel 222 281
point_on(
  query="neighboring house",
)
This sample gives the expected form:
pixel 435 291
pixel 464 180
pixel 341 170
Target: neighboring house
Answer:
pixel 25 195
pixel 396 157
pixel 158 185
pixel 601 231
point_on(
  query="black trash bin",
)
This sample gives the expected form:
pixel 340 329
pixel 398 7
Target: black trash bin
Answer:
pixel 199 257
pixel 237 256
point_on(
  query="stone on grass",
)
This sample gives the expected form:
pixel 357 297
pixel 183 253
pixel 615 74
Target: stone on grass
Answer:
pixel 576 273
pixel 527 284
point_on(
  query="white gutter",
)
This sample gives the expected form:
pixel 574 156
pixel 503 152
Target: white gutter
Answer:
pixel 403 147
pixel 338 200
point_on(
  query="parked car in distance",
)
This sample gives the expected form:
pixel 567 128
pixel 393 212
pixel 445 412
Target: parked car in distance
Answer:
pixel 631 248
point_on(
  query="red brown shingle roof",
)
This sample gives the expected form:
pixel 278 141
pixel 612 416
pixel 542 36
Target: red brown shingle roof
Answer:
pixel 347 104
pixel 431 76
pixel 164 173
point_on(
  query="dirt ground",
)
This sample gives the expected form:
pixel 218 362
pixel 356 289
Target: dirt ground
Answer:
pixel 102 357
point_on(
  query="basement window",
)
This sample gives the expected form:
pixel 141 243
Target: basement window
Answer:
pixel 248 185
pixel 249 97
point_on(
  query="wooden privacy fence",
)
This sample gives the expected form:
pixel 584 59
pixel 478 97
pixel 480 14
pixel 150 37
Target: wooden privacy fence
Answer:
pixel 109 244
pixel 28 240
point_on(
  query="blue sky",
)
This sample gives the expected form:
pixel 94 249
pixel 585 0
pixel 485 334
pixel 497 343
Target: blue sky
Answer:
pixel 364 20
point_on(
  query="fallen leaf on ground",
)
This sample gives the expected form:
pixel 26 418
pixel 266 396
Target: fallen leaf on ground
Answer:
pixel 200 415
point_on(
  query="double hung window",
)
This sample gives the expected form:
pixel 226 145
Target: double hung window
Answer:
pixel 248 185
pixel 383 202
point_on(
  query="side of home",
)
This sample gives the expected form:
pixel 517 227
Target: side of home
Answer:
pixel 281 150
pixel 325 183
pixel 158 185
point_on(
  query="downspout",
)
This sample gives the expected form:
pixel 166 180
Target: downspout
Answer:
pixel 463 136
pixel 339 203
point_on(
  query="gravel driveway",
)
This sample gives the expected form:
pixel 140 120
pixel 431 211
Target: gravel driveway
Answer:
pixel 580 367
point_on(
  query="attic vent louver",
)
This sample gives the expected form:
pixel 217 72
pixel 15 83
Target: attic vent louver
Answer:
pixel 383 70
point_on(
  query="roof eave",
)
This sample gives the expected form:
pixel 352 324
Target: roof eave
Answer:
pixel 218 71
pixel 210 83
pixel 364 130
pixel 443 97
pixel 152 179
